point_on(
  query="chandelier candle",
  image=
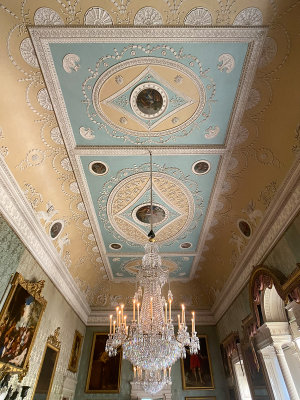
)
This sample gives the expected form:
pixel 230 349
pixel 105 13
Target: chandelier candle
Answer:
pixel 150 343
pixel 133 309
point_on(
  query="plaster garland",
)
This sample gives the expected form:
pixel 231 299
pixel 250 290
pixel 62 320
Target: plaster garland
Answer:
pixel 22 218
pixel 284 207
pixel 43 36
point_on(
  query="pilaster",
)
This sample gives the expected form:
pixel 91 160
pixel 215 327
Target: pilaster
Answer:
pixel 270 339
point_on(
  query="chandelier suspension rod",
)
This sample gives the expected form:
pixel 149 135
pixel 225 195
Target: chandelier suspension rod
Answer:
pixel 151 193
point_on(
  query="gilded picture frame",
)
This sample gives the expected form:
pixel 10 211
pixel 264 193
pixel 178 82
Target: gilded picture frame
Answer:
pixel 19 322
pixel 47 368
pixel 196 370
pixel 104 372
pixel 75 352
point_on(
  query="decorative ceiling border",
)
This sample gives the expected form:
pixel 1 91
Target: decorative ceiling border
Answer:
pixel 100 318
pixel 20 215
pixel 142 150
pixel 88 202
pixel 43 36
pixel 82 33
pixel 283 209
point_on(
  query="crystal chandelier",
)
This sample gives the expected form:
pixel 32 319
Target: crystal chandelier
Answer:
pixel 150 343
pixel 152 381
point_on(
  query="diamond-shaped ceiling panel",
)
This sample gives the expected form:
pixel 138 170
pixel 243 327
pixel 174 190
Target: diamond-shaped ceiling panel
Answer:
pixel 199 82
pixel 118 91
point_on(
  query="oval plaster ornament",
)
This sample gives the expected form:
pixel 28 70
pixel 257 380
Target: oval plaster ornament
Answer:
pixel 87 133
pixel 148 16
pixel 71 63
pixel 198 17
pixel 47 16
pixel 28 53
pixel 87 224
pixel 212 132
pixel 66 165
pixel 44 99
pixel 56 135
pixel 97 16
pixel 226 62
pixel 250 16
pixel 74 187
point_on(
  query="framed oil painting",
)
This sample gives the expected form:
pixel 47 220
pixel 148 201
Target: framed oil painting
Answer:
pixel 47 369
pixel 196 369
pixel 104 371
pixel 19 322
pixel 75 353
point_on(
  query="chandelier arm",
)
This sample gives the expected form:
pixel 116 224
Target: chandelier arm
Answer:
pixel 150 342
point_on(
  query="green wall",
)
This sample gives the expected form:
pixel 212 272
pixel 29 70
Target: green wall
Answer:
pixel 221 389
pixel 126 373
pixel 11 250
pixel 178 393
pixel 286 253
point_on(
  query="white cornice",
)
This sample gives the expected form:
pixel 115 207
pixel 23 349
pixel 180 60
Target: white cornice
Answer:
pixel 43 36
pixel 20 215
pixel 101 318
pixel 283 209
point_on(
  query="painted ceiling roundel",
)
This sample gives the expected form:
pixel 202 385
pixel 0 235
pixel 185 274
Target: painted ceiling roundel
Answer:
pixel 116 91
pixel 173 210
pixel 124 96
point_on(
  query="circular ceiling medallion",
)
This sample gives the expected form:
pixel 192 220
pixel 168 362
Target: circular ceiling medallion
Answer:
pixel 201 167
pixel 98 168
pixel 115 246
pixel 55 229
pixel 245 228
pixel 148 100
pixel 186 245
pixel 177 197
pixel 142 214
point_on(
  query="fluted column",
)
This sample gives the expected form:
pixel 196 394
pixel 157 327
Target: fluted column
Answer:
pixel 277 383
pixel 269 340
pixel 286 371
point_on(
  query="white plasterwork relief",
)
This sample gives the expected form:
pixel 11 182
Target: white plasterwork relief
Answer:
pixel 71 63
pixel 226 62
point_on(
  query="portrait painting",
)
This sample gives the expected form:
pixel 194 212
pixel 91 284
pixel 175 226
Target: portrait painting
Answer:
pixel 104 371
pixel 19 321
pixel 196 369
pixel 46 373
pixel 75 352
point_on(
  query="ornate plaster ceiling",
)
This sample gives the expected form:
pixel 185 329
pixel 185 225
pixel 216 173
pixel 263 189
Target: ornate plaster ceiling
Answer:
pixel 76 130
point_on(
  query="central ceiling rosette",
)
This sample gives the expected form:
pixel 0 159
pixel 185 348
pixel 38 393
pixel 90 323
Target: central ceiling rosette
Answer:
pixel 173 207
pixel 149 97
